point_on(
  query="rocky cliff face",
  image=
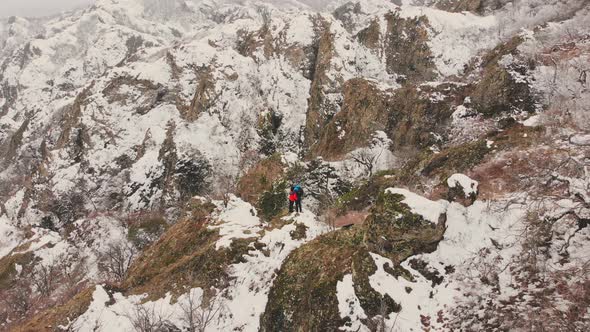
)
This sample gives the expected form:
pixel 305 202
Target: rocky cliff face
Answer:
pixel 147 147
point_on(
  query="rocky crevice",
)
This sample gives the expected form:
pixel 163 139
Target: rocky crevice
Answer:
pixel 320 108
pixel 204 98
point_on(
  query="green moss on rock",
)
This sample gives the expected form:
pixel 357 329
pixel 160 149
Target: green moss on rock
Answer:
pixel 272 201
pixel 303 296
pixel 498 92
pixel 300 232
pixel 456 159
pixel 372 302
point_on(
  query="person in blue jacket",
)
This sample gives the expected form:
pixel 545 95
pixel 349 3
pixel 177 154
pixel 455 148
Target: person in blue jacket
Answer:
pixel 299 191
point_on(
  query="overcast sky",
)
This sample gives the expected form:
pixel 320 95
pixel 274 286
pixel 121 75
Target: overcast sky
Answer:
pixel 35 8
pixel 38 7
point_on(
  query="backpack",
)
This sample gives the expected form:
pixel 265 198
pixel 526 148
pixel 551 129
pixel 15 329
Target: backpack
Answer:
pixel 299 191
pixel 293 196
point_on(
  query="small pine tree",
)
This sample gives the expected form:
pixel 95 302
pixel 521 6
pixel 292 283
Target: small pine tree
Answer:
pixel 47 223
pixel 273 201
pixel 193 176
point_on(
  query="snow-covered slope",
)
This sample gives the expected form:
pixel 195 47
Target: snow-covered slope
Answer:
pixel 117 78
pixel 130 124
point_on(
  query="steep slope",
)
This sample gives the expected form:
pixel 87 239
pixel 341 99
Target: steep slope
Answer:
pixel 147 147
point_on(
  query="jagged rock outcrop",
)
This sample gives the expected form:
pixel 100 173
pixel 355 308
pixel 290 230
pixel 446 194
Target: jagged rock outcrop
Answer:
pixel 503 88
pixel 118 120
pixel 403 46
pixel 303 296
pixel 412 116
pixel 365 109
pixel 321 107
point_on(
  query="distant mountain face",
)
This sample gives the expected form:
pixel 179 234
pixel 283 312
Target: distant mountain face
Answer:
pixel 99 92
pixel 132 117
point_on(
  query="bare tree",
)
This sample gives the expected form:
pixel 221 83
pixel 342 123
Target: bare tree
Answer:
pixel 117 259
pixel 227 184
pixel 146 319
pixel 45 278
pixel 329 218
pixel 19 299
pixel 367 159
pixel 71 272
pixel 326 202
pixel 199 311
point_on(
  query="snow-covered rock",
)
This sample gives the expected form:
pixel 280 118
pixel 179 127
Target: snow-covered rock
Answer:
pixel 430 210
pixel 468 185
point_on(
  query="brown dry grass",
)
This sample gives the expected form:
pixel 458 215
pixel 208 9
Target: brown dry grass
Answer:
pixel 184 256
pixel 518 170
pixel 48 320
pixel 162 265
pixel 260 178
pixel 572 48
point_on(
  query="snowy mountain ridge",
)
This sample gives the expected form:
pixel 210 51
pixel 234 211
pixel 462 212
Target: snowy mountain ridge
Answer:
pixel 147 147
pixel 117 54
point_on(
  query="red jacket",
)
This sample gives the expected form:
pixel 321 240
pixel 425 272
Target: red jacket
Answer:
pixel 292 196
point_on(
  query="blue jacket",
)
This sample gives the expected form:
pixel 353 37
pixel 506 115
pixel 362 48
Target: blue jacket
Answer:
pixel 299 191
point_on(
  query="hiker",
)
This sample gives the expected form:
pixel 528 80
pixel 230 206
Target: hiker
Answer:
pixel 292 199
pixel 299 191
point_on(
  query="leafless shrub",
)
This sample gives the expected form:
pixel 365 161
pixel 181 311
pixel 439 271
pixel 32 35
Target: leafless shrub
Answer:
pixel 68 208
pixel 199 311
pixel 72 272
pixel 329 218
pixel 379 322
pixel 45 277
pixel 117 259
pixel 146 319
pixel 325 204
pixel 226 186
pixel 545 296
pixel 18 300
pixel 367 159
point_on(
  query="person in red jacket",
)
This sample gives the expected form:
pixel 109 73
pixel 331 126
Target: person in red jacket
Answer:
pixel 292 199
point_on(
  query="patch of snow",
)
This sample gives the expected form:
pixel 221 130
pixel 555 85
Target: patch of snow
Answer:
pixel 417 301
pixel 40 239
pixel 580 139
pixel 456 37
pixel 469 186
pixel 14 204
pixel 430 210
pixel 469 230
pixel 300 30
pixel 461 112
pixel 52 254
pixel 532 121
pixel 10 236
pixel 238 220
pixel 349 305
pixel 290 158
pixel 252 280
